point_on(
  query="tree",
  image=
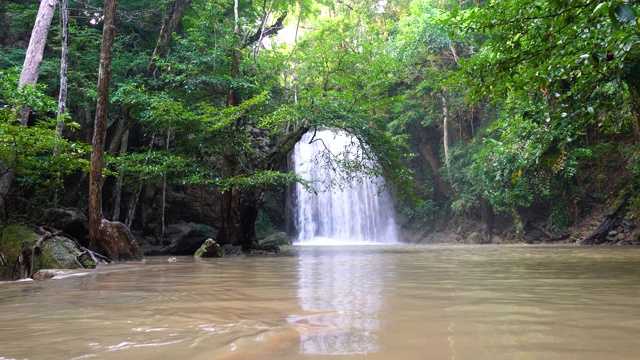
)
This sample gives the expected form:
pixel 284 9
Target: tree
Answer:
pixel 29 76
pixel 112 239
pixel 35 51
pixel 560 74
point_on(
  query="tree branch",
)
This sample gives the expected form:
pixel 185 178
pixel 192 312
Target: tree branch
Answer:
pixel 262 33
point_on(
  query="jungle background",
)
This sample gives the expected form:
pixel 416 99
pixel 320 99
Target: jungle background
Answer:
pixel 492 121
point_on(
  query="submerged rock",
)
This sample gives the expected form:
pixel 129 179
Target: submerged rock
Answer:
pixel 45 274
pixel 210 248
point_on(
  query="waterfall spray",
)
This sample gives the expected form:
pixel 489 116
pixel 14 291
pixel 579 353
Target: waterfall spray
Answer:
pixel 357 211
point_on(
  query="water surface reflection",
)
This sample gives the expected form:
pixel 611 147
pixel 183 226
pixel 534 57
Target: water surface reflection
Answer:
pixel 340 293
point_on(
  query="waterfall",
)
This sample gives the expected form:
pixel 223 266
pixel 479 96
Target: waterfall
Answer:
pixel 356 211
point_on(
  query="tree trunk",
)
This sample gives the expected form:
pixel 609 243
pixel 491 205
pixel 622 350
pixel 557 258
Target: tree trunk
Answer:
pixel 64 56
pixel 486 211
pixel 239 212
pixel 172 19
pixel 239 208
pixel 112 239
pixel 429 155
pixel 33 58
pixel 62 95
pixel 117 197
pixel 445 129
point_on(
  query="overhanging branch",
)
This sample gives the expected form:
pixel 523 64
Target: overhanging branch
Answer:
pixel 261 34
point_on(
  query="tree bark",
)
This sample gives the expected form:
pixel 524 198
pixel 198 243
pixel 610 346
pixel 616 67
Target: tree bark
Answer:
pixel 117 200
pixel 445 129
pixel 112 239
pixel 172 19
pixel 64 56
pixel 62 94
pixel 33 58
pixel 429 155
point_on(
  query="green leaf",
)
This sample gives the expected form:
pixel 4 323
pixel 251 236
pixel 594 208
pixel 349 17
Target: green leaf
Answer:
pixel 624 13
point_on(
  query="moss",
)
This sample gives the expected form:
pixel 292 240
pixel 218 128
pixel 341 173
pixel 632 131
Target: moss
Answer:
pixel 14 238
pixel 57 253
pixel 54 253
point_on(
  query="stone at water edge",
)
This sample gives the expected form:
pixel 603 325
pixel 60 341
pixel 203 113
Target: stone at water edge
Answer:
pixel 475 238
pixel 210 248
pixel 45 274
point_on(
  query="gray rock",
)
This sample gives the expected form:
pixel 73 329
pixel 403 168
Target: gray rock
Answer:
pixel 70 220
pixel 174 232
pixel 475 238
pixel 210 248
pixel 45 274
pixel 229 249
pixel 497 239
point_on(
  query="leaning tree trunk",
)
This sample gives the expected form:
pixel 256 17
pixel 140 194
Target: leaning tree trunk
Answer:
pixel 172 19
pixel 112 239
pixel 33 58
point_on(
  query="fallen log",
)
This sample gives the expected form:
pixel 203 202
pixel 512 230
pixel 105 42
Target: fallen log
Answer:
pixel 610 219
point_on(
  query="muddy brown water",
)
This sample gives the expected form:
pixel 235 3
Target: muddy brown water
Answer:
pixel 373 302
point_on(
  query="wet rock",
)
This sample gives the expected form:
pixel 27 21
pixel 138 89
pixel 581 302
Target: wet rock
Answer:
pixel 210 248
pixel 475 238
pixel 69 220
pixel 45 274
pixel 231 250
pixel 278 239
pixel 497 240
pixel 186 245
pixel 174 232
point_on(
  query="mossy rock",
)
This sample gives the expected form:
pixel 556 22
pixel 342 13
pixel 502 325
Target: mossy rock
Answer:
pixel 210 248
pixel 11 244
pixel 57 252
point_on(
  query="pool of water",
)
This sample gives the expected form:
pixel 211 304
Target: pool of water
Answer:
pixel 338 302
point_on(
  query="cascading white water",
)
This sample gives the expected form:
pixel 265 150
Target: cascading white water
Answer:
pixel 357 212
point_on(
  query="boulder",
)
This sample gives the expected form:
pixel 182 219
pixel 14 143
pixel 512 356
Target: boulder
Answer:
pixel 69 220
pixel 210 248
pixel 278 239
pixel 186 245
pixel 174 232
pixel 45 274
pixel 475 238
pixel 27 252
pixel 441 238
